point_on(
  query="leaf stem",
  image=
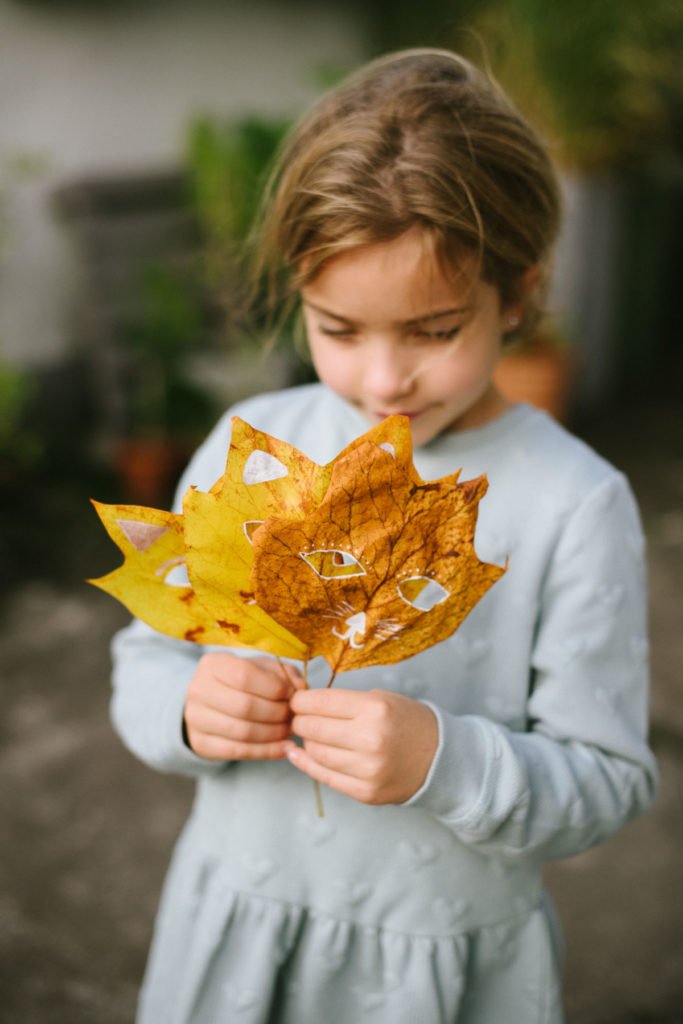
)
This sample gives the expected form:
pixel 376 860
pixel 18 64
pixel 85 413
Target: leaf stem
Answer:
pixel 320 810
pixel 316 785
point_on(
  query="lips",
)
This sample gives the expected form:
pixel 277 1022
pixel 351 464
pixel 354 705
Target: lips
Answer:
pixel 400 412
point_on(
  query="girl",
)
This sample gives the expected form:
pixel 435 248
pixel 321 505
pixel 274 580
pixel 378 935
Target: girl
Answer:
pixel 411 214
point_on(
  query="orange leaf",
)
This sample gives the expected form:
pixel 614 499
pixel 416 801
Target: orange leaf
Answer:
pixel 383 568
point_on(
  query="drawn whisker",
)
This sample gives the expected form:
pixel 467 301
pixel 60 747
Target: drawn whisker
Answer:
pixel 388 627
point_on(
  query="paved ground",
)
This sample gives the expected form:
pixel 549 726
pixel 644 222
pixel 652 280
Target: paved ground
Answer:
pixel 86 830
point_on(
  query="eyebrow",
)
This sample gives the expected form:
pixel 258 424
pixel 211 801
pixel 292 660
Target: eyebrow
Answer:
pixel 426 317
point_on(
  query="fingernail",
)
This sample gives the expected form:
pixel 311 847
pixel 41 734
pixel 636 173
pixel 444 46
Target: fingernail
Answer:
pixel 292 754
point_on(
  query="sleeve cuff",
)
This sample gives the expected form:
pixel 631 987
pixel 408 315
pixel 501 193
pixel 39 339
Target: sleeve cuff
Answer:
pixel 178 756
pixel 458 786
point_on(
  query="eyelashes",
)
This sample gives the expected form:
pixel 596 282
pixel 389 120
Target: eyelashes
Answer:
pixel 347 334
pixel 439 335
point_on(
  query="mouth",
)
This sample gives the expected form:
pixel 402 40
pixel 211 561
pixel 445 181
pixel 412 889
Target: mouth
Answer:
pixel 382 414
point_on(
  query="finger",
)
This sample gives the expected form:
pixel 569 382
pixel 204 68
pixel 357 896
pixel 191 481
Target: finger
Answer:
pixel 333 732
pixel 357 789
pixel 209 722
pixel 262 677
pixel 217 748
pixel 237 704
pixel 339 759
pixel 297 680
pixel 293 674
pixel 330 703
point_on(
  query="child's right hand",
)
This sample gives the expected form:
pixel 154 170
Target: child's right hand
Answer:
pixel 238 708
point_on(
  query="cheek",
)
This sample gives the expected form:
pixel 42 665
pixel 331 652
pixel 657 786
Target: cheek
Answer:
pixel 470 364
pixel 332 364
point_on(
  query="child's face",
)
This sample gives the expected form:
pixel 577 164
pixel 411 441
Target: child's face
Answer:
pixel 390 334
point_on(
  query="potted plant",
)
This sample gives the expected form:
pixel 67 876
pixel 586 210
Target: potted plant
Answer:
pixel 602 82
pixel 539 370
pixel 166 413
pixel 20 447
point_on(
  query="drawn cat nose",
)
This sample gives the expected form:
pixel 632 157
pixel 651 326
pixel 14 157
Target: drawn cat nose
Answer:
pixel 356 626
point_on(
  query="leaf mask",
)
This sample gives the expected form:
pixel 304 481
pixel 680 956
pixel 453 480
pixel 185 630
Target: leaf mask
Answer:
pixel 383 568
pixel 359 561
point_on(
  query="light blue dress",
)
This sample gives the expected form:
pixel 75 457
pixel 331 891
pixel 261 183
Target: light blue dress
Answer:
pixel 432 910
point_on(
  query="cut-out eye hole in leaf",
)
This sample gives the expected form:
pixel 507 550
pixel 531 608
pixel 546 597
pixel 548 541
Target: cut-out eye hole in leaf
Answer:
pixel 414 542
pixel 152 581
pixel 421 592
pixel 331 565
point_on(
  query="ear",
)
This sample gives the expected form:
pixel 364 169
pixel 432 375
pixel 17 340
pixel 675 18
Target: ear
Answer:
pixel 513 311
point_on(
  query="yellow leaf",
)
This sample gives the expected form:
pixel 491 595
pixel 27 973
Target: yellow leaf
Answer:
pixel 152 582
pixel 382 568
pixel 263 477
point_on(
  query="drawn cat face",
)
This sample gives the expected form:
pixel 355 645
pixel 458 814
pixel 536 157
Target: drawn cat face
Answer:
pixel 383 568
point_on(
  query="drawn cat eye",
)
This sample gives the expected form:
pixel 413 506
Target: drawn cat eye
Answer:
pixel 250 527
pixel 421 592
pixel 331 563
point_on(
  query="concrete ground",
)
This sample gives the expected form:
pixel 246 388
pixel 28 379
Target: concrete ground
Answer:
pixel 87 831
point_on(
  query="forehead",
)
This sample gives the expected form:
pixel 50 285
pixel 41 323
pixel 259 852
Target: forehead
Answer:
pixel 400 280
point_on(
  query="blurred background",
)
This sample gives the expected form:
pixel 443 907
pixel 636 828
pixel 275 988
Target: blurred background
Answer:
pixel 134 138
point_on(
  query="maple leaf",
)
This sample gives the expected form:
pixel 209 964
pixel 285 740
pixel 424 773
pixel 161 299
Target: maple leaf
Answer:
pixel 358 560
pixel 382 568
pixel 152 582
pixel 263 477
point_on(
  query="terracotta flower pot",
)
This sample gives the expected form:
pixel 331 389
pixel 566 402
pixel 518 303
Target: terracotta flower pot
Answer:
pixel 148 468
pixel 540 373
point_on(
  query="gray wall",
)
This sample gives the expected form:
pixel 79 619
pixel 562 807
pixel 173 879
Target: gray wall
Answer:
pixel 86 91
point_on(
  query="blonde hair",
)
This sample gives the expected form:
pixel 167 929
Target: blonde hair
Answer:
pixel 415 138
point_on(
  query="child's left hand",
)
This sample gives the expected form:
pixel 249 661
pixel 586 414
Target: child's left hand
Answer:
pixel 374 746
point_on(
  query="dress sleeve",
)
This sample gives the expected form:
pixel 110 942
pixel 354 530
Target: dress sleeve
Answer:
pixel 583 767
pixel 152 671
pixel 151 676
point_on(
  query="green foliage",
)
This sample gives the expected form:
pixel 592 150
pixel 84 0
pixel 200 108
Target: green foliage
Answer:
pixel 603 79
pixel 14 390
pixel 227 165
pixel 169 320
pixel 19 445
pixel 160 339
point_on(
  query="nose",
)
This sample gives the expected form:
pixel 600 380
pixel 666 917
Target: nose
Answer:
pixel 389 373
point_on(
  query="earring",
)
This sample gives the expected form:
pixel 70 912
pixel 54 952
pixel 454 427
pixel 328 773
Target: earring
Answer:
pixel 513 321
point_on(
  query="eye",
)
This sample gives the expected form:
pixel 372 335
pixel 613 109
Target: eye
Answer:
pixel 336 332
pixel 448 335
pixel 331 563
pixel 250 527
pixel 421 592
